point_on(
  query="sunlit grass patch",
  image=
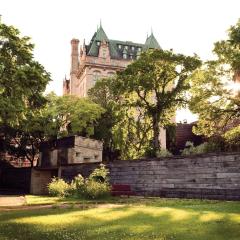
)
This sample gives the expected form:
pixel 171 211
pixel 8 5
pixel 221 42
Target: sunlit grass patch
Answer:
pixel 163 220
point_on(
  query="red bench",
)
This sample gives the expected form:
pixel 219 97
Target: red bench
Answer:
pixel 121 189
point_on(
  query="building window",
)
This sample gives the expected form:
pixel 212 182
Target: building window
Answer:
pixel 133 48
pixel 119 46
pixel 124 56
pixel 96 76
pixel 110 74
pixel 78 154
pixel 98 43
pixel 139 49
pixel 131 56
pixel 126 47
pixel 104 52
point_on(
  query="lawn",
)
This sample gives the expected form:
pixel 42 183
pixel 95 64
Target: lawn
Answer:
pixel 128 219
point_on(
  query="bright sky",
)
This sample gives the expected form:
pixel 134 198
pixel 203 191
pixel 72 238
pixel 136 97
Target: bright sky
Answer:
pixel 186 26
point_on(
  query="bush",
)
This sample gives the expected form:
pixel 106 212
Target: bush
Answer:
pixel 96 190
pixel 205 147
pixel 58 188
pixel 100 174
pixel 94 187
pixel 164 153
pixel 232 138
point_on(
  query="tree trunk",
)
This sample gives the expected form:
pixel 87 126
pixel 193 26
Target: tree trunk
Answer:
pixel 156 134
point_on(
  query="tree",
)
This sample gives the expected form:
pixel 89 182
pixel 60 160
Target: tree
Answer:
pixel 61 116
pixel 22 79
pixel 105 94
pixel 212 99
pixel 73 115
pixel 124 129
pixel 157 82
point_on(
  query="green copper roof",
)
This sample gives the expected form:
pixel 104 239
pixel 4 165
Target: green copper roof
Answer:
pixel 151 42
pixel 118 48
pixel 101 35
pixel 97 38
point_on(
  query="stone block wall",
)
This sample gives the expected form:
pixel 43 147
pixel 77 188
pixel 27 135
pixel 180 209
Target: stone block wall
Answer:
pixel 39 181
pixel 210 177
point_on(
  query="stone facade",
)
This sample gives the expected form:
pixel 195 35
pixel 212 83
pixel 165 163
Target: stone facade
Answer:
pixel 70 150
pixel 102 57
pixel 39 181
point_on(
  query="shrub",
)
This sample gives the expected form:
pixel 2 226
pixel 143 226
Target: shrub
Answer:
pixel 58 188
pixel 232 138
pixel 100 174
pixel 78 185
pixel 205 147
pixel 95 189
pixel 164 153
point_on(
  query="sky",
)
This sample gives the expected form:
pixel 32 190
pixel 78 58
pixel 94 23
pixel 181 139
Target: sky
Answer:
pixel 186 26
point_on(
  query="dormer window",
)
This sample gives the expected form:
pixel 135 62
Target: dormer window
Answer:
pixel 119 46
pixel 98 43
pixel 126 47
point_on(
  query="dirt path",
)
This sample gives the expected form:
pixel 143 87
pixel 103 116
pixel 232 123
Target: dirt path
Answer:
pixel 10 201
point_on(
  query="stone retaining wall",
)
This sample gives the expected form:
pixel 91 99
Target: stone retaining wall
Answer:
pixel 211 177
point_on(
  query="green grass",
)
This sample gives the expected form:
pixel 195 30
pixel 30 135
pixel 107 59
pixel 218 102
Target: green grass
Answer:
pixel 163 219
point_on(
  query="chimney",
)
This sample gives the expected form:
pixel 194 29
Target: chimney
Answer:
pixel 74 56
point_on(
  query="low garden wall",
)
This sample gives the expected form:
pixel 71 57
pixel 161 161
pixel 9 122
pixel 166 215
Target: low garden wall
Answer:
pixel 209 176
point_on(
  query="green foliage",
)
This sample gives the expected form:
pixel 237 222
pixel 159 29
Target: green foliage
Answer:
pixel 22 79
pixel 100 174
pixel 60 116
pixel 68 115
pixel 22 83
pixel 164 153
pixel 140 99
pixel 206 147
pixel 104 94
pixel 158 82
pixel 58 188
pixel 96 190
pixel 95 187
pixel 232 137
pixel 217 106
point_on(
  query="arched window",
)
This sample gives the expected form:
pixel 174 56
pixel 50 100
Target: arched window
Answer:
pixel 96 76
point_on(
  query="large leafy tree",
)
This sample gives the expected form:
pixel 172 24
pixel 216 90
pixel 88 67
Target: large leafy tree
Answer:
pixel 213 98
pixel 105 94
pixel 22 83
pixel 22 79
pixel 156 84
pixel 61 116
pixel 124 129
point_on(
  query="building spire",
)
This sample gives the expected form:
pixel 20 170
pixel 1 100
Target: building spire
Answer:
pixel 100 22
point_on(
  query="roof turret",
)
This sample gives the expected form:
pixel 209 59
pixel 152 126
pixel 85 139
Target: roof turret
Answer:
pixel 151 42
